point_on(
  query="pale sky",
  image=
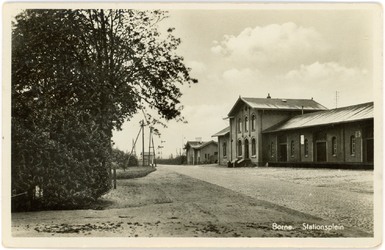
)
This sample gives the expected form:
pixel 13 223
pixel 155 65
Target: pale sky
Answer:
pixel 287 53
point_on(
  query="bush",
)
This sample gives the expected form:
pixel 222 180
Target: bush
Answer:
pixel 63 171
pixel 123 160
pixel 179 160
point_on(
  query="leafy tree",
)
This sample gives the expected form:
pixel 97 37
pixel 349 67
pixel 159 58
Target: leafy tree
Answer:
pixel 76 76
pixel 123 160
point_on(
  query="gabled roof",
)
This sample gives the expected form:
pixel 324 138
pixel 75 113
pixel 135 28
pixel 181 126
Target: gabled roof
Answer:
pixel 339 115
pixel 198 144
pixel 224 131
pixel 278 103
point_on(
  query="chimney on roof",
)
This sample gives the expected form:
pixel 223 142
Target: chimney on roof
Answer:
pixel 268 96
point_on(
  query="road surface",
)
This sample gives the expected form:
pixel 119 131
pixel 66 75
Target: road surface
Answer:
pixel 206 201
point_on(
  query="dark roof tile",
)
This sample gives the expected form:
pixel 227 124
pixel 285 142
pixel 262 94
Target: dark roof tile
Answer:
pixel 222 132
pixel 279 103
pixel 339 115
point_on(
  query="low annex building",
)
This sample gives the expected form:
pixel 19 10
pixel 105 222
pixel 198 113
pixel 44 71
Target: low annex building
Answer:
pixel 285 132
pixel 223 145
pixel 342 136
pixel 199 152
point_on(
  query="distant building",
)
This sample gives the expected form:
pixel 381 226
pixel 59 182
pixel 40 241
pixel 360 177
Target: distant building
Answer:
pixel 148 159
pixel 296 132
pixel 198 152
pixel 223 146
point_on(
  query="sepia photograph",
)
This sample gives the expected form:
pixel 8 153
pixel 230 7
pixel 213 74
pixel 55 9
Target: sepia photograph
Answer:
pixel 192 125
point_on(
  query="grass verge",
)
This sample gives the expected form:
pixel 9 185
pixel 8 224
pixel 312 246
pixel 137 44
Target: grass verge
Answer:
pixel 134 172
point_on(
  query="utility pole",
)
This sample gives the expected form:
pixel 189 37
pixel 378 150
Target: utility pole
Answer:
pixel 133 146
pixel 153 148
pixel 142 142
pixel 114 176
pixel 149 148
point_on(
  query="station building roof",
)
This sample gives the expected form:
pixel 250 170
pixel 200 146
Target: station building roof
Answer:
pixel 198 144
pixel 333 116
pixel 278 104
pixel 224 131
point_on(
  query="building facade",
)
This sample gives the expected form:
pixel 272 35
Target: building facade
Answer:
pixel 198 152
pixel 296 131
pixel 250 116
pixel 223 146
pixel 343 136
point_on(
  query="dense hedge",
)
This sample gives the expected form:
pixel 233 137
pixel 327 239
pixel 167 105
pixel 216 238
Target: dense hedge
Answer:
pixel 57 171
pixel 123 160
pixel 179 160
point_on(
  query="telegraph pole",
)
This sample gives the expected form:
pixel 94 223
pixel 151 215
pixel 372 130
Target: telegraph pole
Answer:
pixel 142 142
pixel 149 147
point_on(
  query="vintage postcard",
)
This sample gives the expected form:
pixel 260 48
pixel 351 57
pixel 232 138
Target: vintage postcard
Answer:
pixel 192 125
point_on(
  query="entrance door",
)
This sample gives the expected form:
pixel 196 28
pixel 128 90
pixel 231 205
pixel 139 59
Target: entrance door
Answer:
pixel 321 151
pixel 282 152
pixel 246 149
pixel 369 150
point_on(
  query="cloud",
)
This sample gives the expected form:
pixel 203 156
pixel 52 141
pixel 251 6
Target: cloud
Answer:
pixel 204 113
pixel 273 46
pixel 245 76
pixel 325 71
pixel 319 80
pixel 196 67
pixel 354 85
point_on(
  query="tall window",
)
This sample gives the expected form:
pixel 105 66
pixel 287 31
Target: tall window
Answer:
pixel 352 145
pixel 253 147
pixel 246 124
pixel 334 146
pixel 224 149
pixel 306 147
pixel 272 149
pixel 292 148
pixel 239 148
pixel 253 123
pixel 239 125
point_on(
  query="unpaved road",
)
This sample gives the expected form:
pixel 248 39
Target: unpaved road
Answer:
pixel 167 203
pixel 341 196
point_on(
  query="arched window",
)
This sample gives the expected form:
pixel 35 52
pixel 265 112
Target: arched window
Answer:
pixel 334 146
pixel 224 149
pixel 352 145
pixel 239 125
pixel 253 121
pixel 292 148
pixel 272 149
pixel 306 148
pixel 246 124
pixel 253 147
pixel 239 148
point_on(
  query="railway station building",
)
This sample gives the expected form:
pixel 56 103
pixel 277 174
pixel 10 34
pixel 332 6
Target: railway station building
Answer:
pixel 199 152
pixel 297 132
